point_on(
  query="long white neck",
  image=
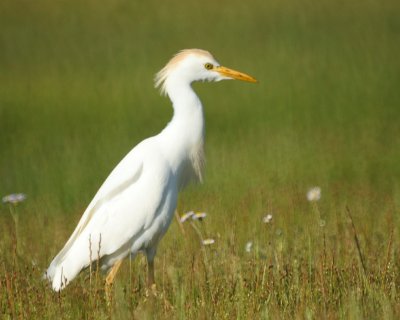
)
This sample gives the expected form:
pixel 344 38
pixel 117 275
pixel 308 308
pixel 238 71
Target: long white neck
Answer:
pixel 183 137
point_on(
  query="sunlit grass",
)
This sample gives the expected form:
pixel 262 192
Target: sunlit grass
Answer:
pixel 76 94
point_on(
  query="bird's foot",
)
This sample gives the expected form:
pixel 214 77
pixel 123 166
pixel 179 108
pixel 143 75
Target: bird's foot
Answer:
pixel 109 292
pixel 151 291
pixel 152 294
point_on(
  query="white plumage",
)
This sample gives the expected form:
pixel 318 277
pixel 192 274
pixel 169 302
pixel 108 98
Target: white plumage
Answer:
pixel 135 205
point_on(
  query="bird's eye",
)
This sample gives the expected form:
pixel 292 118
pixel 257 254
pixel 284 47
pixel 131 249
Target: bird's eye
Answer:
pixel 208 66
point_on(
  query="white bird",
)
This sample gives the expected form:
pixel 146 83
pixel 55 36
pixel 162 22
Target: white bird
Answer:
pixel 135 205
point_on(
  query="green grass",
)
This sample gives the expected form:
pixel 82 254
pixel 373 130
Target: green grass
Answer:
pixel 76 94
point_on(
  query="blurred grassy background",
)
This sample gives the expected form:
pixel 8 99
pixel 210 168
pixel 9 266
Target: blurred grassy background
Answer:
pixel 76 94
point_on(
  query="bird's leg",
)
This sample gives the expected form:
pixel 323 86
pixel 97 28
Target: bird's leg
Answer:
pixel 150 253
pixel 151 290
pixel 110 281
pixel 150 273
pixel 111 275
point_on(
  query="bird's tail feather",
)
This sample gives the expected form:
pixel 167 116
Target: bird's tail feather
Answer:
pixel 62 271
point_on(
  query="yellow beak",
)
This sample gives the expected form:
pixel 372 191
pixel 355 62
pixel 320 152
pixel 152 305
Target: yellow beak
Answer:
pixel 234 74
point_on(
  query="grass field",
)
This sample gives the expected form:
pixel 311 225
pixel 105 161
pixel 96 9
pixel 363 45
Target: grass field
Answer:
pixel 76 94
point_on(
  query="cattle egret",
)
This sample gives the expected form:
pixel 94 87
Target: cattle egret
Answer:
pixel 135 205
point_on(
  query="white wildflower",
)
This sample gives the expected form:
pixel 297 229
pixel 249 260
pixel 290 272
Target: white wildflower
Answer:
pixel 14 198
pixel 186 216
pixel 199 216
pixel 207 242
pixel 267 218
pixel 249 246
pixel 314 194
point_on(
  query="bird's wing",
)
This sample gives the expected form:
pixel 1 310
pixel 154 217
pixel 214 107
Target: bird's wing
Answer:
pixel 128 217
pixel 127 172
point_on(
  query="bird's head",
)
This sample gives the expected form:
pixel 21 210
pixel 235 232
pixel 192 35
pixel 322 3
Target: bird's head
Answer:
pixel 195 65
